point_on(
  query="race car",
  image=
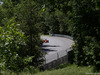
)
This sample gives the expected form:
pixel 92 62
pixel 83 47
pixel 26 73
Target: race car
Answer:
pixel 46 41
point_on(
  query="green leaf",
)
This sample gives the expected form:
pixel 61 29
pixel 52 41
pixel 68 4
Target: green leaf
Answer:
pixel 43 9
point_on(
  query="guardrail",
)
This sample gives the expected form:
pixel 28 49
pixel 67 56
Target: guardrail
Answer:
pixel 56 59
pixel 59 57
pixel 61 35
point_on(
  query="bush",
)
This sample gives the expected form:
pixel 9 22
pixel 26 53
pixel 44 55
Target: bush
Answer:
pixel 90 55
pixel 12 41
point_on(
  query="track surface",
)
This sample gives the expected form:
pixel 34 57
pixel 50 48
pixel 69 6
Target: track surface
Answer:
pixel 57 46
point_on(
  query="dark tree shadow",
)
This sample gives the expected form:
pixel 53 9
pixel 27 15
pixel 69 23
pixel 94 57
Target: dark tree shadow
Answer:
pixel 50 46
pixel 47 50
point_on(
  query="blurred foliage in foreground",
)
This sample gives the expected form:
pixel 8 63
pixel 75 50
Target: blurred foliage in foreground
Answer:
pixel 79 18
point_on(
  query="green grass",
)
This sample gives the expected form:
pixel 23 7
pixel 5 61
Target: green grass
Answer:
pixel 44 34
pixel 68 70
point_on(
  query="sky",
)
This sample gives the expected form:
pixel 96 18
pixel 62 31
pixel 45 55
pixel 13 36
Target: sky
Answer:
pixel 1 2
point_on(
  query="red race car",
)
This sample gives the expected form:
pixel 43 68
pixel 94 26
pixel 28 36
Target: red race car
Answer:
pixel 46 41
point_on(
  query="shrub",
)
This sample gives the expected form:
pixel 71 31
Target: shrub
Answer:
pixel 12 41
pixel 90 55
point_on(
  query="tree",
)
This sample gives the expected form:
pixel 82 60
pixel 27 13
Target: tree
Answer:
pixel 28 16
pixel 83 23
pixel 85 30
pixel 56 16
pixel 12 41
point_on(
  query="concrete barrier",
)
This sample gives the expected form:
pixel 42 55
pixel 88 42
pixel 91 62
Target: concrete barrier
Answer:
pixel 56 62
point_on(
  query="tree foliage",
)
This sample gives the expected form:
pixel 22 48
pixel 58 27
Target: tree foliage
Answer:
pixel 83 23
pixel 26 15
pixel 79 18
pixel 86 32
pixel 12 41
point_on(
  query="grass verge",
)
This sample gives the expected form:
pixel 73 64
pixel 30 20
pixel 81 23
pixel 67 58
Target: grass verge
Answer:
pixel 68 70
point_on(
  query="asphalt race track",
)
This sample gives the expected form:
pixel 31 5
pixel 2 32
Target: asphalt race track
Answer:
pixel 56 47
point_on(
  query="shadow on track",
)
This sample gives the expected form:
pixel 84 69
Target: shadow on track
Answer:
pixel 50 46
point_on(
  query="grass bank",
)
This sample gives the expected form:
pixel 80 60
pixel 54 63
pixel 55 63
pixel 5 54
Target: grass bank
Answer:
pixel 69 70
